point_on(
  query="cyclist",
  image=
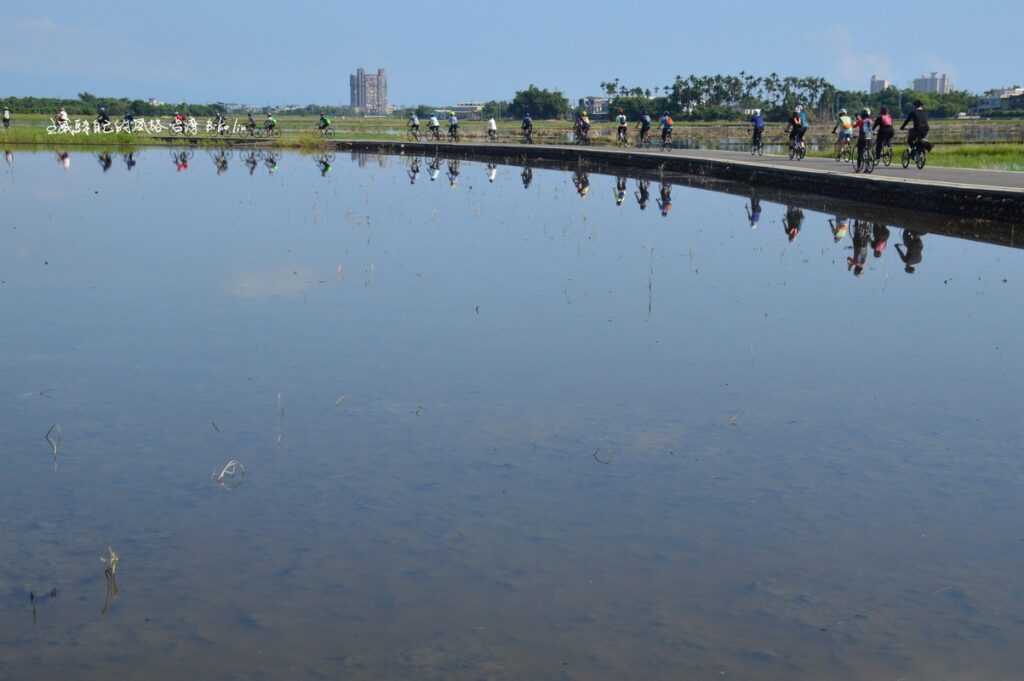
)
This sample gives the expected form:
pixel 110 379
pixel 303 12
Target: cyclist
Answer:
pixel 270 124
pixel 865 133
pixel 453 126
pixel 492 129
pixel 220 123
pixel 527 126
pixel 844 126
pixel 250 124
pixel 645 127
pixel 323 124
pixel 919 132
pixel 7 118
pixel 883 130
pixel 623 127
pixel 583 126
pixel 128 120
pixel 797 126
pixel 435 127
pixel 757 120
pixel 103 119
pixel 414 125
pixel 666 128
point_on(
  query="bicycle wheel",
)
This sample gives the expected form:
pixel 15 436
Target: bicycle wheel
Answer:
pixel 922 158
pixel 869 162
pixel 801 153
pixel 792 152
pixel 887 155
pixel 905 159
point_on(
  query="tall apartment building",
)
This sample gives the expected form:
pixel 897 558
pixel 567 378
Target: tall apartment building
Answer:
pixel 879 84
pixel 936 83
pixel 369 92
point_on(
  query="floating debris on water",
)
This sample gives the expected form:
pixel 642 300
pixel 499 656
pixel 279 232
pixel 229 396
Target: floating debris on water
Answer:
pixel 214 424
pixel 111 560
pixel 337 402
pixel 230 475
pixel 599 459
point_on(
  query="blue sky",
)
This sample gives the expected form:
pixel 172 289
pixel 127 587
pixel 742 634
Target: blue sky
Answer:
pixel 438 51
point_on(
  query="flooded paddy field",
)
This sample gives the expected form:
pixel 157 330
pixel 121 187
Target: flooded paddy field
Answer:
pixel 372 417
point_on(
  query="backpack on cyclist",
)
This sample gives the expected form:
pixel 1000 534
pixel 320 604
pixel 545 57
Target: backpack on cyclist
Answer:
pixel 668 121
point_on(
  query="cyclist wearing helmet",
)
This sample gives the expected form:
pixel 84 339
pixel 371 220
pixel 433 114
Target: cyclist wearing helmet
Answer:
pixel 453 124
pixel 645 126
pixel 883 130
pixel 250 124
pixel 620 120
pixel 527 122
pixel 666 126
pixel 865 133
pixel 270 123
pixel 797 126
pixel 414 122
pixel 757 120
pixel 919 132
pixel 434 125
pixel 324 122
pixel 844 126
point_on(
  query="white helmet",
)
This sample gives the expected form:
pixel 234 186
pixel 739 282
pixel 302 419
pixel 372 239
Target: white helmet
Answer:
pixel 799 108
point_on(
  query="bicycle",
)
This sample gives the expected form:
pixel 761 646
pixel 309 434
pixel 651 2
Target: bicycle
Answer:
pixel 413 133
pixel 887 154
pixel 582 135
pixel 918 154
pixel 666 139
pixel 844 152
pixel 492 135
pixel 527 135
pixel 326 131
pixel 453 133
pixel 867 161
pixel 622 137
pixel 797 150
pixel 435 133
pixel 645 138
pixel 757 146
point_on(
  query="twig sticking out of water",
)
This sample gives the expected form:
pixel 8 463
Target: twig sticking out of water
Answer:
pixel 214 424
pixel 230 475
pixel 599 459
pixel 112 590
pixel 111 560
pixel 280 418
pixel 55 438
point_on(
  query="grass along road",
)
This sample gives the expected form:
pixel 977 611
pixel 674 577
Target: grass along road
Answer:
pixel 300 132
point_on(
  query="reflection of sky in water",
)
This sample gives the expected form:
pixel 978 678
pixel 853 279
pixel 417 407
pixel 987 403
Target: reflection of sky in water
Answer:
pixel 811 475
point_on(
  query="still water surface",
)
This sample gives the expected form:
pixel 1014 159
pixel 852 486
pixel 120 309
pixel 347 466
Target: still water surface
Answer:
pixel 496 430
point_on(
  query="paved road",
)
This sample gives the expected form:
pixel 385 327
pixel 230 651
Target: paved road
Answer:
pixel 959 177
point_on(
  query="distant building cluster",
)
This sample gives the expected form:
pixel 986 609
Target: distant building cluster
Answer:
pixel 596 107
pixel 879 84
pixel 369 92
pixel 936 84
pixel 1002 98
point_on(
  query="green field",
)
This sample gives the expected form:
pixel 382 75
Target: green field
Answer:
pixel 299 132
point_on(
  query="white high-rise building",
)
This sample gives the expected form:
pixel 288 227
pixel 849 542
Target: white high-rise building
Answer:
pixel 879 84
pixel 936 83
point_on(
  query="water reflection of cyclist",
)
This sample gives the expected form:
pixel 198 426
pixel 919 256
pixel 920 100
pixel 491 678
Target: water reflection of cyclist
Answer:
pixel 620 190
pixel 526 176
pixel 324 163
pixel 270 162
pixel 793 221
pixel 879 239
pixel 220 161
pixel 128 121
pixel 492 172
pixel 840 228
pixel 129 160
pixel 582 183
pixel 9 157
pixel 105 160
pixel 643 193
pixel 453 171
pixel 754 211
pixel 181 161
pixel 911 257
pixel 251 162
pixel 414 170
pixel 64 159
pixel 861 238
pixel 665 198
pixel 435 168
